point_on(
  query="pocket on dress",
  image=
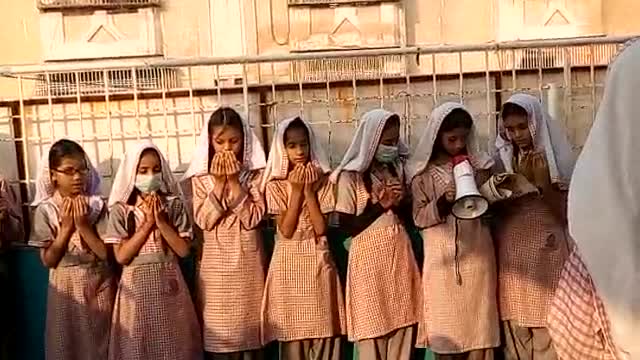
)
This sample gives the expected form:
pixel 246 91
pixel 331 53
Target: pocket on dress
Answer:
pixel 171 283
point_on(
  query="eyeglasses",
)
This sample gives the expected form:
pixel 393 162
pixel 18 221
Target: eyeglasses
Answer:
pixel 72 171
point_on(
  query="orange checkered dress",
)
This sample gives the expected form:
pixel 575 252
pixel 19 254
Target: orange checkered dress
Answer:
pixel 232 269
pixel 81 289
pixel 383 291
pixel 532 249
pixel 463 317
pixel 154 316
pixel 303 296
pixel 578 324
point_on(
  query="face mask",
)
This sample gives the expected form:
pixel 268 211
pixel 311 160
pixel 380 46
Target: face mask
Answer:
pixel 386 154
pixel 149 183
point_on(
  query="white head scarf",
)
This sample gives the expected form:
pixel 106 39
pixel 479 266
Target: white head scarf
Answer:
pixel 547 135
pixel 604 200
pixel 365 142
pixel 278 163
pixel 45 188
pixel 422 154
pixel 252 159
pixel 125 179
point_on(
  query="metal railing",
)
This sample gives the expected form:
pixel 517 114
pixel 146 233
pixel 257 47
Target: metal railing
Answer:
pixel 335 2
pixel 330 89
pixel 94 4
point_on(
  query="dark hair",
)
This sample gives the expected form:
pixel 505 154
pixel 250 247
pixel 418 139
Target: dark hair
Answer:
pixel 224 116
pixel 149 151
pixel 62 149
pixel 509 109
pixel 393 120
pixel 456 119
pixel 297 123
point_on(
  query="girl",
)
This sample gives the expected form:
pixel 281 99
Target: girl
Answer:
pixel 303 306
pixel 383 280
pixel 154 317
pixel 603 219
pixel 11 229
pixel 459 279
pixel 228 206
pixel 530 231
pixel 69 225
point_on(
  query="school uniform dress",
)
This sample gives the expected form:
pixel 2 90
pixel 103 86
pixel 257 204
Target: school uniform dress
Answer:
pixel 81 290
pixel 532 249
pixel 460 315
pixel 232 268
pixel 577 321
pixel 383 291
pixel 303 305
pixel 154 316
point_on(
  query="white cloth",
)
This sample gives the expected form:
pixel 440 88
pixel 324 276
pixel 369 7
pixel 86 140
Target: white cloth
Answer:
pixel 125 179
pixel 252 159
pixel 365 142
pixel 604 201
pixel 421 155
pixel 278 162
pixel 44 186
pixel 547 135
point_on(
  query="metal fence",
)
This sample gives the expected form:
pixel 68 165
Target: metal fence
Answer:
pixel 107 105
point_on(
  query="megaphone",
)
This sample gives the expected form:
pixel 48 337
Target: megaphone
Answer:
pixel 469 203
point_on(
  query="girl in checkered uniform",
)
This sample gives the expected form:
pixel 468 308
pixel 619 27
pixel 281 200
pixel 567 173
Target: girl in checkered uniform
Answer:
pixel 69 225
pixel 153 317
pixel 530 232
pixel 228 206
pixel 303 306
pixel 383 281
pixel 460 317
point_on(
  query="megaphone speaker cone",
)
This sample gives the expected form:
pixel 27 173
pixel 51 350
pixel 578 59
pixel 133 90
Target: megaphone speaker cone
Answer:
pixel 470 207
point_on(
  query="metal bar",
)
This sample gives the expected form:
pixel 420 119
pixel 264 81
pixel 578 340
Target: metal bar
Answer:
pixel 490 118
pixel 107 105
pixel 460 78
pixel 208 61
pixel 25 146
pixel 79 106
pixel 192 110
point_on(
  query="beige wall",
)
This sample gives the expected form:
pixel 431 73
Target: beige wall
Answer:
pixel 217 27
pixel 621 16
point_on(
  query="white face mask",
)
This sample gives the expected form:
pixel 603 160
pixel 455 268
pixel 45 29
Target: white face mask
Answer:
pixel 386 154
pixel 149 183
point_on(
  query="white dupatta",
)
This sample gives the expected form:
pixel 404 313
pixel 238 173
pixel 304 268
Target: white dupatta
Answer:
pixel 547 135
pixel 253 157
pixel 365 142
pixel 604 201
pixel 44 186
pixel 421 155
pixel 125 179
pixel 278 163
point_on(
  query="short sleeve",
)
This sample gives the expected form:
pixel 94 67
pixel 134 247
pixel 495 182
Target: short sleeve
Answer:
pixel 43 232
pixel 102 223
pixel 180 218
pixel 327 197
pixel 346 194
pixel 276 196
pixel 116 229
pixel 352 195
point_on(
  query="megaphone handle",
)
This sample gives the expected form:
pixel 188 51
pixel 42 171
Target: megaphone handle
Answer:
pixel 457 255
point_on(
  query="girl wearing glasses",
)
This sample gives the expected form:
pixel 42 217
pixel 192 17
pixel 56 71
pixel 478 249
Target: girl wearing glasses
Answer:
pixel 68 226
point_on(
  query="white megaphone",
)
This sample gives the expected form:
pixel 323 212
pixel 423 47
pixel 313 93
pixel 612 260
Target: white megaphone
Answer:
pixel 469 204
